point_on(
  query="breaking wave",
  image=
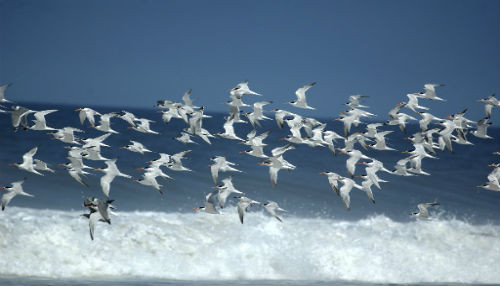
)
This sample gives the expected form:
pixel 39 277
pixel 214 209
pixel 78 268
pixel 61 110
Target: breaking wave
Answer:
pixel 199 246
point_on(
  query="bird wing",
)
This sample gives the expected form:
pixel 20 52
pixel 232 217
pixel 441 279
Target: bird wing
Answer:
pixel 75 175
pixel 40 115
pixel 301 92
pixel 273 172
pixel 214 170
pixel 187 99
pixel 28 157
pixel 241 211
pixel 6 198
pixel 346 199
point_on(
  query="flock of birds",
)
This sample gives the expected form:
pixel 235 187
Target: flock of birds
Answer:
pixel 453 129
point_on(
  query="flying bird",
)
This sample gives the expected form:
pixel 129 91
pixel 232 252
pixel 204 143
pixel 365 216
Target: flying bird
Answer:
pixel 15 189
pixel 301 97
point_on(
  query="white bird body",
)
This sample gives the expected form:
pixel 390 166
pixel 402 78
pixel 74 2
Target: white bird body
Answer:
pixel 333 180
pixel 87 113
pixel 445 134
pixel 301 97
pixel 242 88
pixel 93 217
pixel 279 115
pixel 105 123
pixel 66 135
pixel 346 188
pixel 416 165
pixel 95 142
pixel 354 101
pixel 143 126
pixel 256 151
pixel 372 169
pixel 167 115
pixel 229 130
pixel 210 203
pixel 371 129
pixel 185 138
pixel 221 165
pixel 94 153
pixel 76 168
pixel 110 172
pixel 401 167
pixel 225 191
pixel 358 113
pixel 271 207
pixel 254 140
pixel 243 205
pixel 128 117
pixel 481 129
pixel 2 92
pixel 19 116
pixel 136 147
pixel 278 151
pixel 430 91
pixel 149 179
pixel 367 188
pixel 489 103
pixel 257 115
pixel 380 141
pixel 491 186
pixel 12 191
pixel 423 212
pixel 354 157
pixel 155 171
pixel 40 123
pixel 27 163
pixel 348 121
pixel 42 166
pixel 275 164
pixel 330 137
pixel 176 161
pixel 426 119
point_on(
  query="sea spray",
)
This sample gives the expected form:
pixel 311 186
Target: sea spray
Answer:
pixel 199 246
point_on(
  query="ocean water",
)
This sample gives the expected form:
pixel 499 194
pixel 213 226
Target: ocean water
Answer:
pixel 160 240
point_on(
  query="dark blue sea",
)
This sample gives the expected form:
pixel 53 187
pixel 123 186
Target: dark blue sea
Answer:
pixel 159 239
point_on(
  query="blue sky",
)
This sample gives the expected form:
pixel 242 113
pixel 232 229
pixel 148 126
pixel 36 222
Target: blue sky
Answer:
pixel 132 53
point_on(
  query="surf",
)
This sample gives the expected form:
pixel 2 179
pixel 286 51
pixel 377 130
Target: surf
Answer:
pixel 198 246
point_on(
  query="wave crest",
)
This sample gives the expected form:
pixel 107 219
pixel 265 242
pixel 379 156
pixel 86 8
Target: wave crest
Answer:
pixel 198 246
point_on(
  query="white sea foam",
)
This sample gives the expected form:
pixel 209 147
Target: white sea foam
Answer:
pixel 199 246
